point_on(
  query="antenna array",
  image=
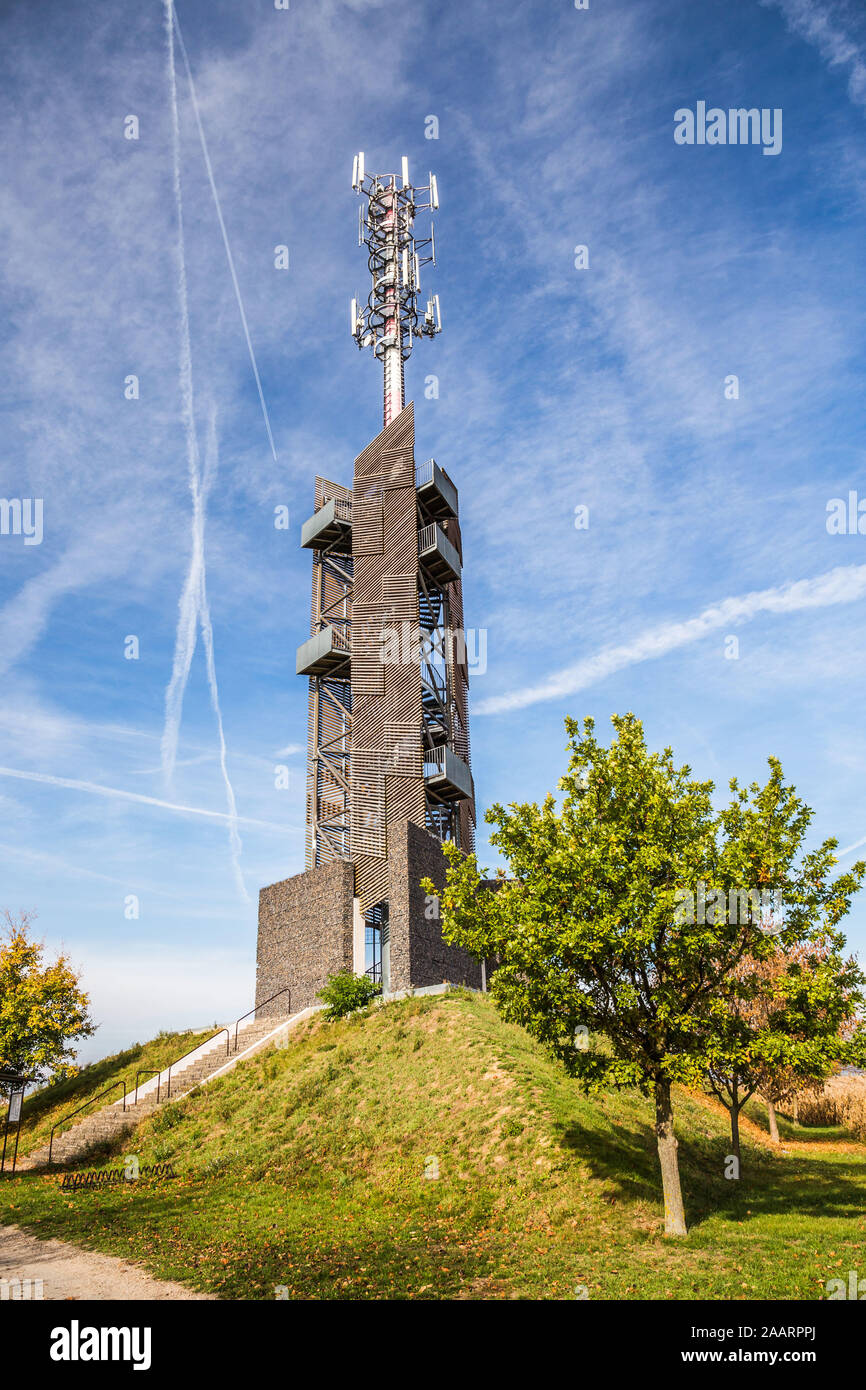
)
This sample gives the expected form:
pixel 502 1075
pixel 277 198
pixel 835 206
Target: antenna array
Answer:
pixel 389 320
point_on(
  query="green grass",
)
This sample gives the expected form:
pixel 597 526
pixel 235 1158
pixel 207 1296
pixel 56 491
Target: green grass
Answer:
pixel 50 1104
pixel 306 1168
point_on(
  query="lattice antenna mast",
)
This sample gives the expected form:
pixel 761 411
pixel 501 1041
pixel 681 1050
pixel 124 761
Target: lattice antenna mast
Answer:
pixel 389 321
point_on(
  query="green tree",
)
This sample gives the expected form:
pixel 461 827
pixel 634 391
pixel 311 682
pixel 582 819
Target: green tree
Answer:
pixel 786 1013
pixel 787 1023
pixel 42 1009
pixel 596 956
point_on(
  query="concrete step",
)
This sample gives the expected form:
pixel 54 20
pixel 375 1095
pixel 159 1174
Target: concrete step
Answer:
pixel 107 1123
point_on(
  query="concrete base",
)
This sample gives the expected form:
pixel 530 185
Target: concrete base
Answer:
pixel 310 926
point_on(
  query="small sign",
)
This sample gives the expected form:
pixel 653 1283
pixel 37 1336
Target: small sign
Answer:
pixel 15 1107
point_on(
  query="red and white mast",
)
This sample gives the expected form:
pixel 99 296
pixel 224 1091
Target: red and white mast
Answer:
pixel 389 322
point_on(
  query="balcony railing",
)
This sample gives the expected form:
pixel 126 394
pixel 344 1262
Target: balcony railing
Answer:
pixel 326 652
pixel 447 774
pixel 435 489
pixel 332 522
pixel 438 555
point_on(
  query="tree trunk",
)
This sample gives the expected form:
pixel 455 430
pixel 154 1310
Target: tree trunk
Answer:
pixel 771 1120
pixel 735 1131
pixel 675 1217
pixel 734 1110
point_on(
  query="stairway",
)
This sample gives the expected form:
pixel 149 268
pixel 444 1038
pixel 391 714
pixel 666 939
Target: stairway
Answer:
pixel 109 1123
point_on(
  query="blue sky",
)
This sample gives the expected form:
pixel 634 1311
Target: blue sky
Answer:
pixel 558 387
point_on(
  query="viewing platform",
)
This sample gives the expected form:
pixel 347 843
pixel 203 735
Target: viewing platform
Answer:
pixel 437 555
pixel 448 775
pixel 326 653
pixel 436 490
pixel 331 524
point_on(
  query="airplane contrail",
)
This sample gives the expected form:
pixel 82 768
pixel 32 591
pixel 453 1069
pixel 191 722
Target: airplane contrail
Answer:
pixel 207 639
pixel 185 639
pixel 193 607
pixel 98 789
pixel 228 249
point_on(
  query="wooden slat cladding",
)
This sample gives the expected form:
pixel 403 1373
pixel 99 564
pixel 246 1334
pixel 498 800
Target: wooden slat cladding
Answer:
pixel 400 434
pixel 400 597
pixel 387 697
pixel 325 490
pixel 371 880
pixel 402 749
pixel 398 467
pixel 368 675
pixel 404 800
pixel 373 596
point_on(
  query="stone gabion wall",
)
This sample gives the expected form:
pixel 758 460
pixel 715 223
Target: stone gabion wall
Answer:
pixel 305 926
pixel 305 935
pixel 419 956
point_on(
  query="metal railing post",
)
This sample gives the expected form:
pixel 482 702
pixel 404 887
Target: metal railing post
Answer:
pixel 73 1113
pixel 285 990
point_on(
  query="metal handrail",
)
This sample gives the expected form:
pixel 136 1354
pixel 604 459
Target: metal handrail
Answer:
pixel 430 677
pixel 195 1049
pixel 285 990
pixel 436 757
pixel 113 1087
pixel 424 472
pixel 148 1071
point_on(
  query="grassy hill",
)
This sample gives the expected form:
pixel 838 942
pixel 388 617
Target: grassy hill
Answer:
pixel 305 1168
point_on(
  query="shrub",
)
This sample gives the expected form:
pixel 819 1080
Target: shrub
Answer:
pixel 345 992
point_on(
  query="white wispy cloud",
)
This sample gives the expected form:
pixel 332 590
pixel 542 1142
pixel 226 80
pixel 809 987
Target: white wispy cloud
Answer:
pixel 207 640
pixel 191 594
pixel 824 27
pixel 100 557
pixel 845 584
pixel 117 793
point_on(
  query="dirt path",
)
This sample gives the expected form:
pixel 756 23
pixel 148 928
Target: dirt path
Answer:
pixel 68 1273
